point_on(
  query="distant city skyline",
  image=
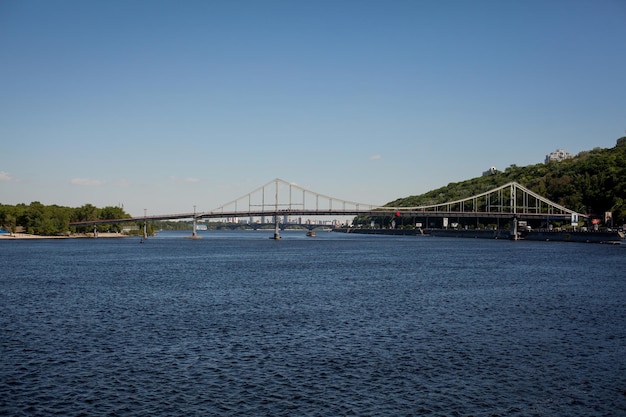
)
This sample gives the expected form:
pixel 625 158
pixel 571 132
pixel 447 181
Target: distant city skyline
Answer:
pixel 163 105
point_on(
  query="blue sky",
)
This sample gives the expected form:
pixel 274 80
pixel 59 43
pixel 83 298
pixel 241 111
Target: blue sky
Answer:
pixel 169 104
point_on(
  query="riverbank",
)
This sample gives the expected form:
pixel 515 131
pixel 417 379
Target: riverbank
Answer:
pixel 580 237
pixel 72 236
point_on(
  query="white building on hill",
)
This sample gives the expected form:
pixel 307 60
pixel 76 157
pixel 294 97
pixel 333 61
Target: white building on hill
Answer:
pixel 558 155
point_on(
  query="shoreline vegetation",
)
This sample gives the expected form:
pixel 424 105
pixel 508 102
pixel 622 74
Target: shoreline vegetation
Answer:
pixel 11 236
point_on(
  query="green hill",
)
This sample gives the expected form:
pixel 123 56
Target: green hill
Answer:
pixel 593 182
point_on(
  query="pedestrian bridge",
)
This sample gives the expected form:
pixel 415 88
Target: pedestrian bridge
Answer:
pixel 278 199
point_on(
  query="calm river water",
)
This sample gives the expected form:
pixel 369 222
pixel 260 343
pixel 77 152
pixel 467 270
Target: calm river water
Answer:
pixel 236 324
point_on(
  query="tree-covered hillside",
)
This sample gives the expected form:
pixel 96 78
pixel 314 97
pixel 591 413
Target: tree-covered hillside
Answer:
pixel 593 182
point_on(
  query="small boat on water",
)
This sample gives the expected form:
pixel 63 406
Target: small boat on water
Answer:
pixel 311 233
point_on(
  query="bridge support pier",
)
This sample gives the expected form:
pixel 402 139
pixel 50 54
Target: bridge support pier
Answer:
pixel 194 233
pixel 276 230
pixel 513 229
pixel 95 231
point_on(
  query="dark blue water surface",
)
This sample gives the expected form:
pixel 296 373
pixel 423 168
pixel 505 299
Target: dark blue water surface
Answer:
pixel 239 324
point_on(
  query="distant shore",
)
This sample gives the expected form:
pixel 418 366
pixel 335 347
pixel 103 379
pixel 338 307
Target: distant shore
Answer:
pixel 613 237
pixel 72 236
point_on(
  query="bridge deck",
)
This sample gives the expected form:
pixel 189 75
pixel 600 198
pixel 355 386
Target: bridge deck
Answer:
pixel 372 213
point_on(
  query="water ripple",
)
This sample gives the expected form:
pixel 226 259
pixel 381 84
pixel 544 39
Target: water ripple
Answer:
pixel 325 328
